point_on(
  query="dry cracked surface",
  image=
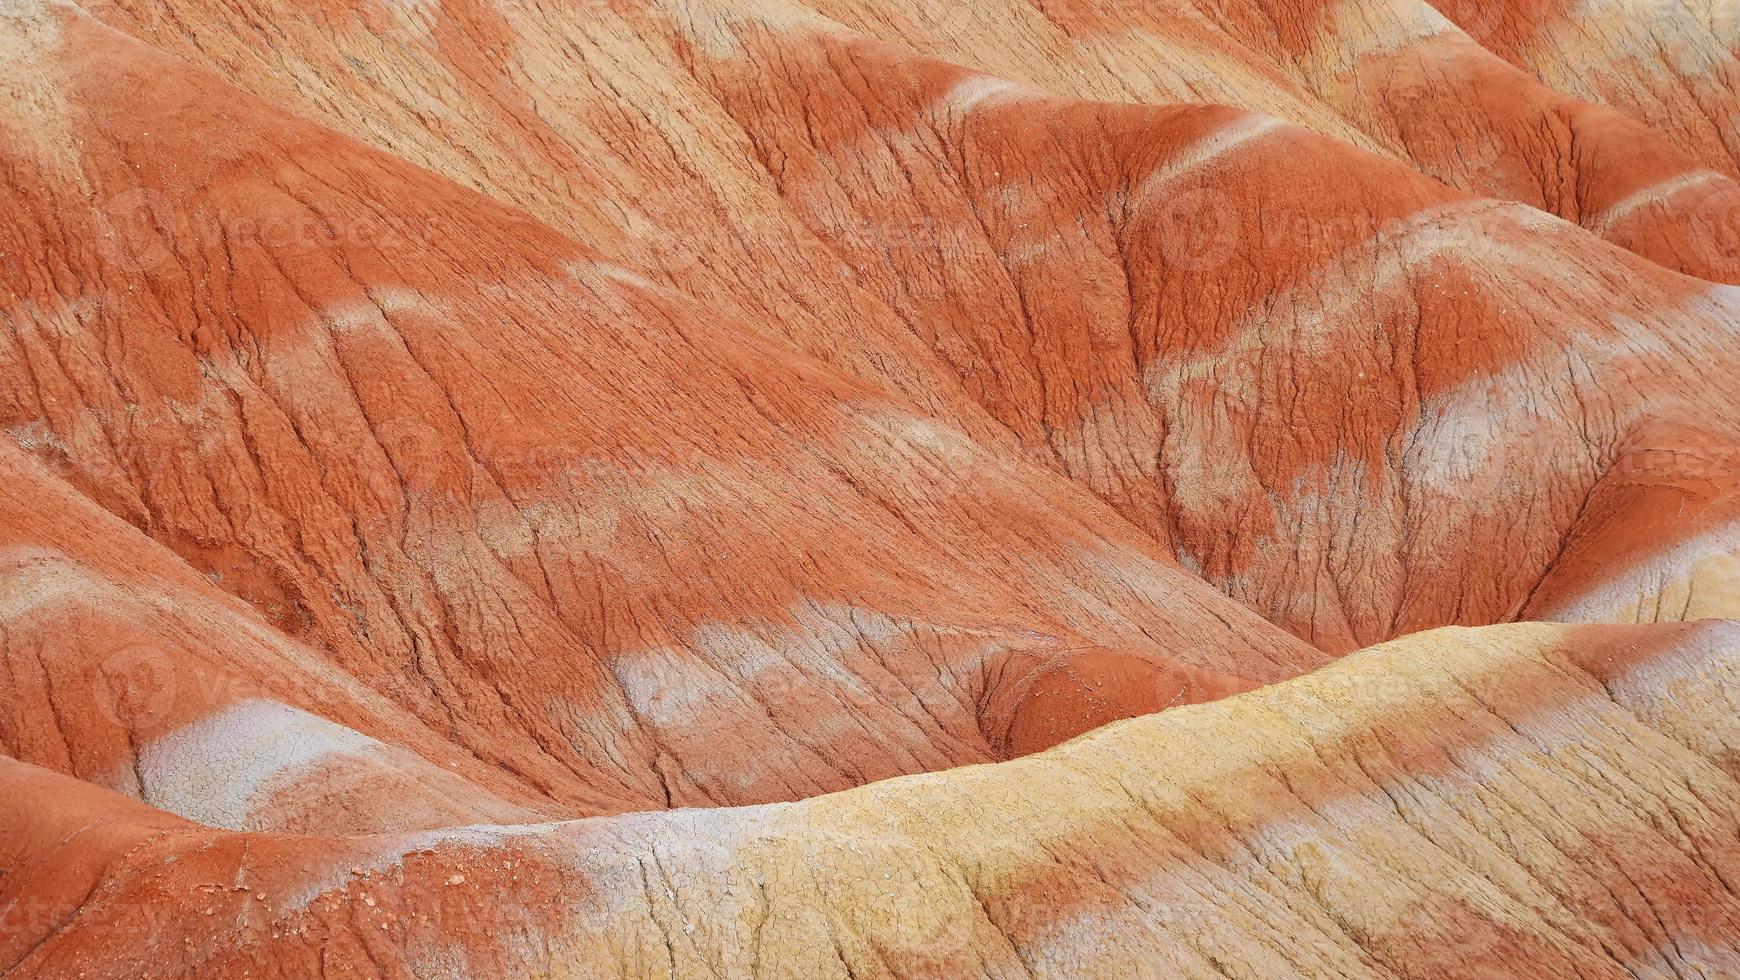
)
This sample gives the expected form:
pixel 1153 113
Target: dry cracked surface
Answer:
pixel 1225 488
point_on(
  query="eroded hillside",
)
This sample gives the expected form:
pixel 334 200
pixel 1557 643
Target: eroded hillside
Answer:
pixel 649 487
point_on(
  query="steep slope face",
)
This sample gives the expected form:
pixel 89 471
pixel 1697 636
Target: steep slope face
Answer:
pixel 1672 64
pixel 1656 539
pixel 129 670
pixel 1395 73
pixel 1132 292
pixel 1392 76
pixel 1540 801
pixel 608 541
pixel 584 116
pixel 501 418
pixel 1316 375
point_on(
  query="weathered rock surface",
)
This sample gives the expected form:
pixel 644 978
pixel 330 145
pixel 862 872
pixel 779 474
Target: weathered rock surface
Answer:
pixel 606 539
pixel 1525 800
pixel 1080 272
pixel 520 488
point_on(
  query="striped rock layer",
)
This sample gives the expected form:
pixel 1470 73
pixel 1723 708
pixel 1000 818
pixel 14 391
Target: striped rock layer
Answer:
pixel 668 487
pixel 1544 801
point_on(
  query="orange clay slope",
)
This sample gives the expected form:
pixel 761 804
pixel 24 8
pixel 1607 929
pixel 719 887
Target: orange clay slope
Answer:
pixel 1676 65
pixel 1309 372
pixel 1394 76
pixel 508 97
pixel 1672 64
pixel 603 538
pixel 444 443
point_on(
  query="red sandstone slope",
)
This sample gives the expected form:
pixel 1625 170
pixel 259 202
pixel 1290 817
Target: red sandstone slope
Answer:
pixel 1071 268
pixel 131 671
pixel 1318 413
pixel 500 415
pixel 597 535
pixel 1393 76
pixel 1673 64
